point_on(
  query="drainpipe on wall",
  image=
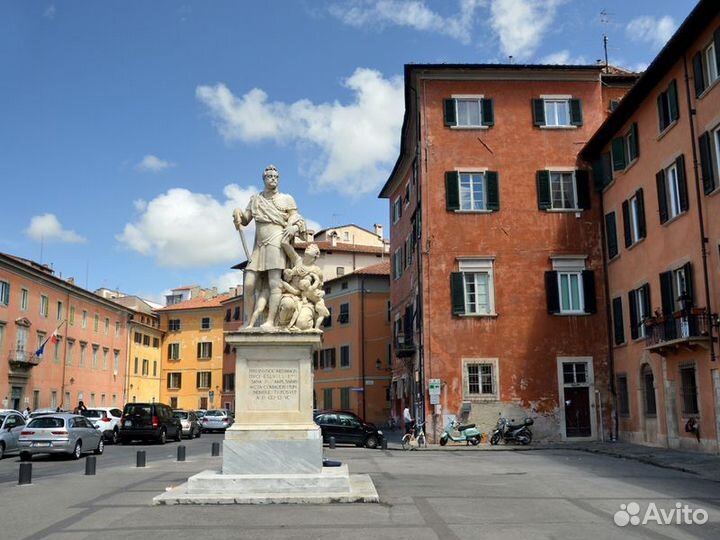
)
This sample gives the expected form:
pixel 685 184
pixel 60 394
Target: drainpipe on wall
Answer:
pixel 698 196
pixel 362 345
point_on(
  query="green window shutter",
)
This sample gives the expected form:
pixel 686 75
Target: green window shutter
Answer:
pixel 635 146
pixel 706 163
pixel 647 304
pixel 493 191
pixel 543 190
pixel 598 174
pixel 452 190
pixel 552 292
pixel 197 379
pixel 582 183
pixel 607 168
pixel 457 292
pixel 666 293
pixel 689 289
pixel 576 116
pixel 618 323
pixel 449 106
pixel 198 350
pixel 618 153
pixel 588 278
pixel 673 101
pixel 633 315
pixel 682 182
pixel 642 228
pixel 168 380
pixel 488 112
pixel 611 235
pixel 698 76
pixel 538 106
pixel 662 196
pixel 626 223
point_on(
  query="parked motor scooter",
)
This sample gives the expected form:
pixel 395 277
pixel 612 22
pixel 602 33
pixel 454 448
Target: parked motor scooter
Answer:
pixel 508 431
pixel 467 433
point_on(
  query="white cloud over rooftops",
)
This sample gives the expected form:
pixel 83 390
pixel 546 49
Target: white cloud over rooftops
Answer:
pixel 654 30
pixel 47 228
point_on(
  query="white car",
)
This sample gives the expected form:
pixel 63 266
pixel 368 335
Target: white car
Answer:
pixel 107 420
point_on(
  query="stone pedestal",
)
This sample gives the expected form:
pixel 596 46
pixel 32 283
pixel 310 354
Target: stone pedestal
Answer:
pixel 273 451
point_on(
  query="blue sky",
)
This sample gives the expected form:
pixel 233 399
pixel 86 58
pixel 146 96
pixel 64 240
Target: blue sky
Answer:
pixel 131 129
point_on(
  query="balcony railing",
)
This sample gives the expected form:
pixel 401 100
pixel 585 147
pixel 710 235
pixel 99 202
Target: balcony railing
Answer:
pixel 687 329
pixel 20 358
pixel 404 346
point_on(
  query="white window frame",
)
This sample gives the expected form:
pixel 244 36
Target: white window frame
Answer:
pixel 559 205
pixel 570 267
pixel 710 67
pixel 94 356
pixel 471 177
pixel 478 267
pixel 107 326
pixel 556 100
pixel 70 350
pixel 716 144
pixel 672 191
pixel 469 99
pixel 24 296
pixel 494 365
pixel 205 379
pixel 628 142
pixel 349 358
pixel 397 210
pixel 640 310
pixel 203 346
pixel 634 219
pixel 83 348
pixel 44 306
pixel 174 352
pixel 397 264
pixel 202 323
pixel 84 318
pixel 175 381
pixel 4 293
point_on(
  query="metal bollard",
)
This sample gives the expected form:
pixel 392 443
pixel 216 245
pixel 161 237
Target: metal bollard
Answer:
pixel 140 460
pixel 384 444
pixel 181 452
pixel 25 474
pixel 90 465
pixel 332 442
pixel 215 449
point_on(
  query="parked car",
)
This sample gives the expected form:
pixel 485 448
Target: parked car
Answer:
pixel 11 423
pixel 149 421
pixel 189 422
pixel 107 420
pixel 348 428
pixel 217 420
pixel 46 411
pixel 70 434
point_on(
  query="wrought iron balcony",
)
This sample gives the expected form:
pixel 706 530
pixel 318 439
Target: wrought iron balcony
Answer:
pixel 683 329
pixel 20 359
pixel 404 346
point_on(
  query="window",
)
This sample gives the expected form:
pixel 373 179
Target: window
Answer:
pixel 472 191
pixel 480 379
pixel 236 314
pixel 146 340
pixel 706 66
pixel 117 328
pixel 648 389
pixel 634 218
pixel 228 315
pixel 667 104
pixel 397 210
pixel 563 190
pixel 4 293
pixel 96 323
pixel 611 235
pixel 23 298
pixel 156 343
pixel 107 326
pixel 174 381
pixel 472 288
pixel 204 350
pixel 570 288
pixel 469 112
pixel 204 379
pixel 72 315
pixel 639 301
pixel 327 358
pixel 625 149
pixel 709 143
pixel 344 316
pixel 229 382
pixel 205 323
pixel 174 325
pixel 344 398
pixel 116 361
pixel 84 318
pixel 70 350
pixel 689 390
pixel 340 271
pixel 174 351
pixel 397 264
pixel 327 398
pixel 575 373
pixel 344 356
pixel 618 322
pixel 53 398
pixel 105 357
pixel 622 395
pixel 327 321
pixel 136 367
pixel 83 348
pixel 43 306
pixel 557 111
pixel 145 367
pixel 155 368
pixel 672 190
pixel 56 351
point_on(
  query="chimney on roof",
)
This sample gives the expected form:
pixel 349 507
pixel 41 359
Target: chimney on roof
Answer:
pixel 71 280
pixel 333 239
pixel 379 231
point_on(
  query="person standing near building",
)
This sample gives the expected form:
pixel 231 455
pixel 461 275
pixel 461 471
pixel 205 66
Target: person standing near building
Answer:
pixel 407 418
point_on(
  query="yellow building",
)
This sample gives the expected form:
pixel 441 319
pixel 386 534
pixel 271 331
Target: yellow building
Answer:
pixel 192 353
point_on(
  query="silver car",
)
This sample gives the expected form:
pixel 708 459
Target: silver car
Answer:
pixel 71 434
pixel 189 422
pixel 216 420
pixel 11 424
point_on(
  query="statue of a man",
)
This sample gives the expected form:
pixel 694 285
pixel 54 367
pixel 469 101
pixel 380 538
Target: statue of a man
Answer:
pixel 277 221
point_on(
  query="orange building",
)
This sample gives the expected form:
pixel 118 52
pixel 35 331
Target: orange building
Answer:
pixel 657 164
pixel 87 359
pixel 497 268
pixel 192 353
pixel 233 306
pixel 352 370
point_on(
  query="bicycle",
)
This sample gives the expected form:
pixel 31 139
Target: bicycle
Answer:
pixel 415 438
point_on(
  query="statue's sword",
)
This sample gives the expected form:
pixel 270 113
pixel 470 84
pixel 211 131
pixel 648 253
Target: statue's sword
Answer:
pixel 244 244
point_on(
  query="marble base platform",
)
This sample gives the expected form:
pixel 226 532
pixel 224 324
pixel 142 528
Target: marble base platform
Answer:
pixel 332 485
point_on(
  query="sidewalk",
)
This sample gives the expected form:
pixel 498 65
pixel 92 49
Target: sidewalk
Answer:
pixel 706 466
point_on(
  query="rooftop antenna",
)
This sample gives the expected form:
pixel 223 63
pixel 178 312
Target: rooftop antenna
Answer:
pixel 510 58
pixel 605 20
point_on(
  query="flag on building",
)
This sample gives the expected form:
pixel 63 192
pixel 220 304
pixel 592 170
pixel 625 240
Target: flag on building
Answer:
pixel 53 338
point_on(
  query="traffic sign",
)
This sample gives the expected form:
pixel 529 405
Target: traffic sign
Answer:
pixel 434 387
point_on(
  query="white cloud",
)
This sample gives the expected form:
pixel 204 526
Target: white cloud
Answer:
pixel 357 143
pixel 656 31
pixel 224 281
pixel 563 58
pixel 50 12
pixel 521 24
pixel 180 228
pixel 411 13
pixel 48 228
pixel 153 164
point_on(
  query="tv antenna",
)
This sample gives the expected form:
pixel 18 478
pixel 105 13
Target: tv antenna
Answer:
pixel 605 21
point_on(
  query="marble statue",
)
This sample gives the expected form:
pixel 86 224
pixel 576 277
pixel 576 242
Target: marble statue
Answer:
pixel 280 287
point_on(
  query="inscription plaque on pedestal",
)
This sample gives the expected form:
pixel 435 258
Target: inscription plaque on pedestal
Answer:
pixel 272 386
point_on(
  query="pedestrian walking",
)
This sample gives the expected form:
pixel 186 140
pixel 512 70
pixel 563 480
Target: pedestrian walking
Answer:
pixel 407 418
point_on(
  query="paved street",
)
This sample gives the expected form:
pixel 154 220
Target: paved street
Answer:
pixel 544 493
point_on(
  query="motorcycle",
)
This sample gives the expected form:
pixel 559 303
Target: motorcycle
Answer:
pixel 508 431
pixel 467 433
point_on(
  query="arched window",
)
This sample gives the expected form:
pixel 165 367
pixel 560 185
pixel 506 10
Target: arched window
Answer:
pixel 648 386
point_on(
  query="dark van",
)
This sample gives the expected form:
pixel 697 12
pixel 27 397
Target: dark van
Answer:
pixel 149 421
